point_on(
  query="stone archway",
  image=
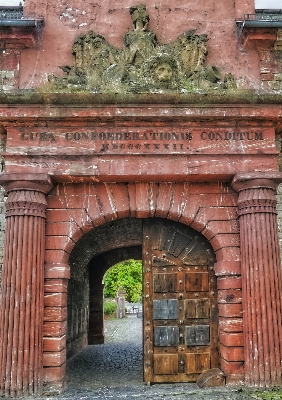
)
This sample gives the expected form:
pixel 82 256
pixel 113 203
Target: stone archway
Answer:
pixel 77 210
pixel 188 259
pixel 74 209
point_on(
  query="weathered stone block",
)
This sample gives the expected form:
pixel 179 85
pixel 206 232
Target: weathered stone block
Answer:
pixel 229 282
pixel 53 374
pixel 55 314
pixel 231 324
pixel 55 299
pixel 230 296
pixel 54 329
pixel 55 344
pixel 54 359
pixel 232 367
pixel 230 310
pixel 231 339
pixel 232 353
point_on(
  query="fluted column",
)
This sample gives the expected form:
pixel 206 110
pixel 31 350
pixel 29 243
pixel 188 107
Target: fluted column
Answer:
pixel 261 277
pixel 22 285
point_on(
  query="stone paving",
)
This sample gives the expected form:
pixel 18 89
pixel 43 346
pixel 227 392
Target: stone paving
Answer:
pixel 114 371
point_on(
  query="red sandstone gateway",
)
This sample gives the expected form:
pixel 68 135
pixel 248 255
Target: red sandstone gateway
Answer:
pixel 137 141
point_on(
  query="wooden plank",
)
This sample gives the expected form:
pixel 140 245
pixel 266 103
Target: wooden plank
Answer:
pixel 165 364
pixel 197 308
pixel 165 282
pixel 197 282
pixel 179 243
pixel 197 363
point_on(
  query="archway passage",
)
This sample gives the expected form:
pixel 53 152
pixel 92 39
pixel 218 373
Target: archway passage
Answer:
pixel 180 318
pixel 98 266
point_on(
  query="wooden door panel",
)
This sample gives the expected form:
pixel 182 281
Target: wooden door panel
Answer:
pixel 197 308
pixel 166 364
pixel 197 335
pixel 164 283
pixel 180 310
pixel 166 336
pixel 197 363
pixel 197 282
pixel 165 309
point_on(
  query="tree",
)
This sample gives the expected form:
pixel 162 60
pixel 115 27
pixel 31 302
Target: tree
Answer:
pixel 127 274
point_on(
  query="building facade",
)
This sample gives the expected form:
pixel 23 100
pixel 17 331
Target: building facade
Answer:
pixel 144 131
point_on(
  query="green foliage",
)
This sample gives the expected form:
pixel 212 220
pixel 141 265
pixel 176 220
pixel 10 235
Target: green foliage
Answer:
pixel 274 393
pixel 127 274
pixel 270 394
pixel 110 307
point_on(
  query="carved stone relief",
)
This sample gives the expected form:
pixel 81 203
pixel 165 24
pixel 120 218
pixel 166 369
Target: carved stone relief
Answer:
pixel 142 65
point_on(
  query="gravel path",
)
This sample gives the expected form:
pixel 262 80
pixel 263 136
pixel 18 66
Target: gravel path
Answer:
pixel 114 371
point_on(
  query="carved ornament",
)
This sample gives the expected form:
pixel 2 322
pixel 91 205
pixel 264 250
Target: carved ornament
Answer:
pixel 142 65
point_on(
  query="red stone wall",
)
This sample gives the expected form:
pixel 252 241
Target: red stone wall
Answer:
pixel 67 19
pixel 75 209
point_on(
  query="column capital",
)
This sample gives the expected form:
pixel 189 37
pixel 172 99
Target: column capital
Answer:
pixel 256 192
pixel 256 180
pixel 26 194
pixel 32 182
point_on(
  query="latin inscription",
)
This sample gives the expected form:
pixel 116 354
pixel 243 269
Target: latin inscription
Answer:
pixel 142 140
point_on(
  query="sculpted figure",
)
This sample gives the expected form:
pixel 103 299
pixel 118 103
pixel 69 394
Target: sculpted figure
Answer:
pixel 139 43
pixel 142 65
pixel 192 51
pixel 161 72
pixel 93 55
pixel 229 82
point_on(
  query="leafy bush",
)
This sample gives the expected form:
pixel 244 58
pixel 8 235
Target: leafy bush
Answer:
pixel 110 307
pixel 127 274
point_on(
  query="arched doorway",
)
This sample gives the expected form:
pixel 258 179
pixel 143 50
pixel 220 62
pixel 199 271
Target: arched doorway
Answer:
pixel 180 327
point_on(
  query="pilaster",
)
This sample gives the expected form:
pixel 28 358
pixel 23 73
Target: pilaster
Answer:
pixel 261 277
pixel 21 346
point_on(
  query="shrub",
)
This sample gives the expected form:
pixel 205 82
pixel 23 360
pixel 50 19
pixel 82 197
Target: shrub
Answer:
pixel 110 307
pixel 127 274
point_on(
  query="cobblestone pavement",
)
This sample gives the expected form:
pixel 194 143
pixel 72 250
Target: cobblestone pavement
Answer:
pixel 114 371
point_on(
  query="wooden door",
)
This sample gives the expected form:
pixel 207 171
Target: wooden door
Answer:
pixel 180 303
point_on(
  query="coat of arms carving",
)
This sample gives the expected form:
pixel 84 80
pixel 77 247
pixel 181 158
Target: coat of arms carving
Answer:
pixel 142 65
